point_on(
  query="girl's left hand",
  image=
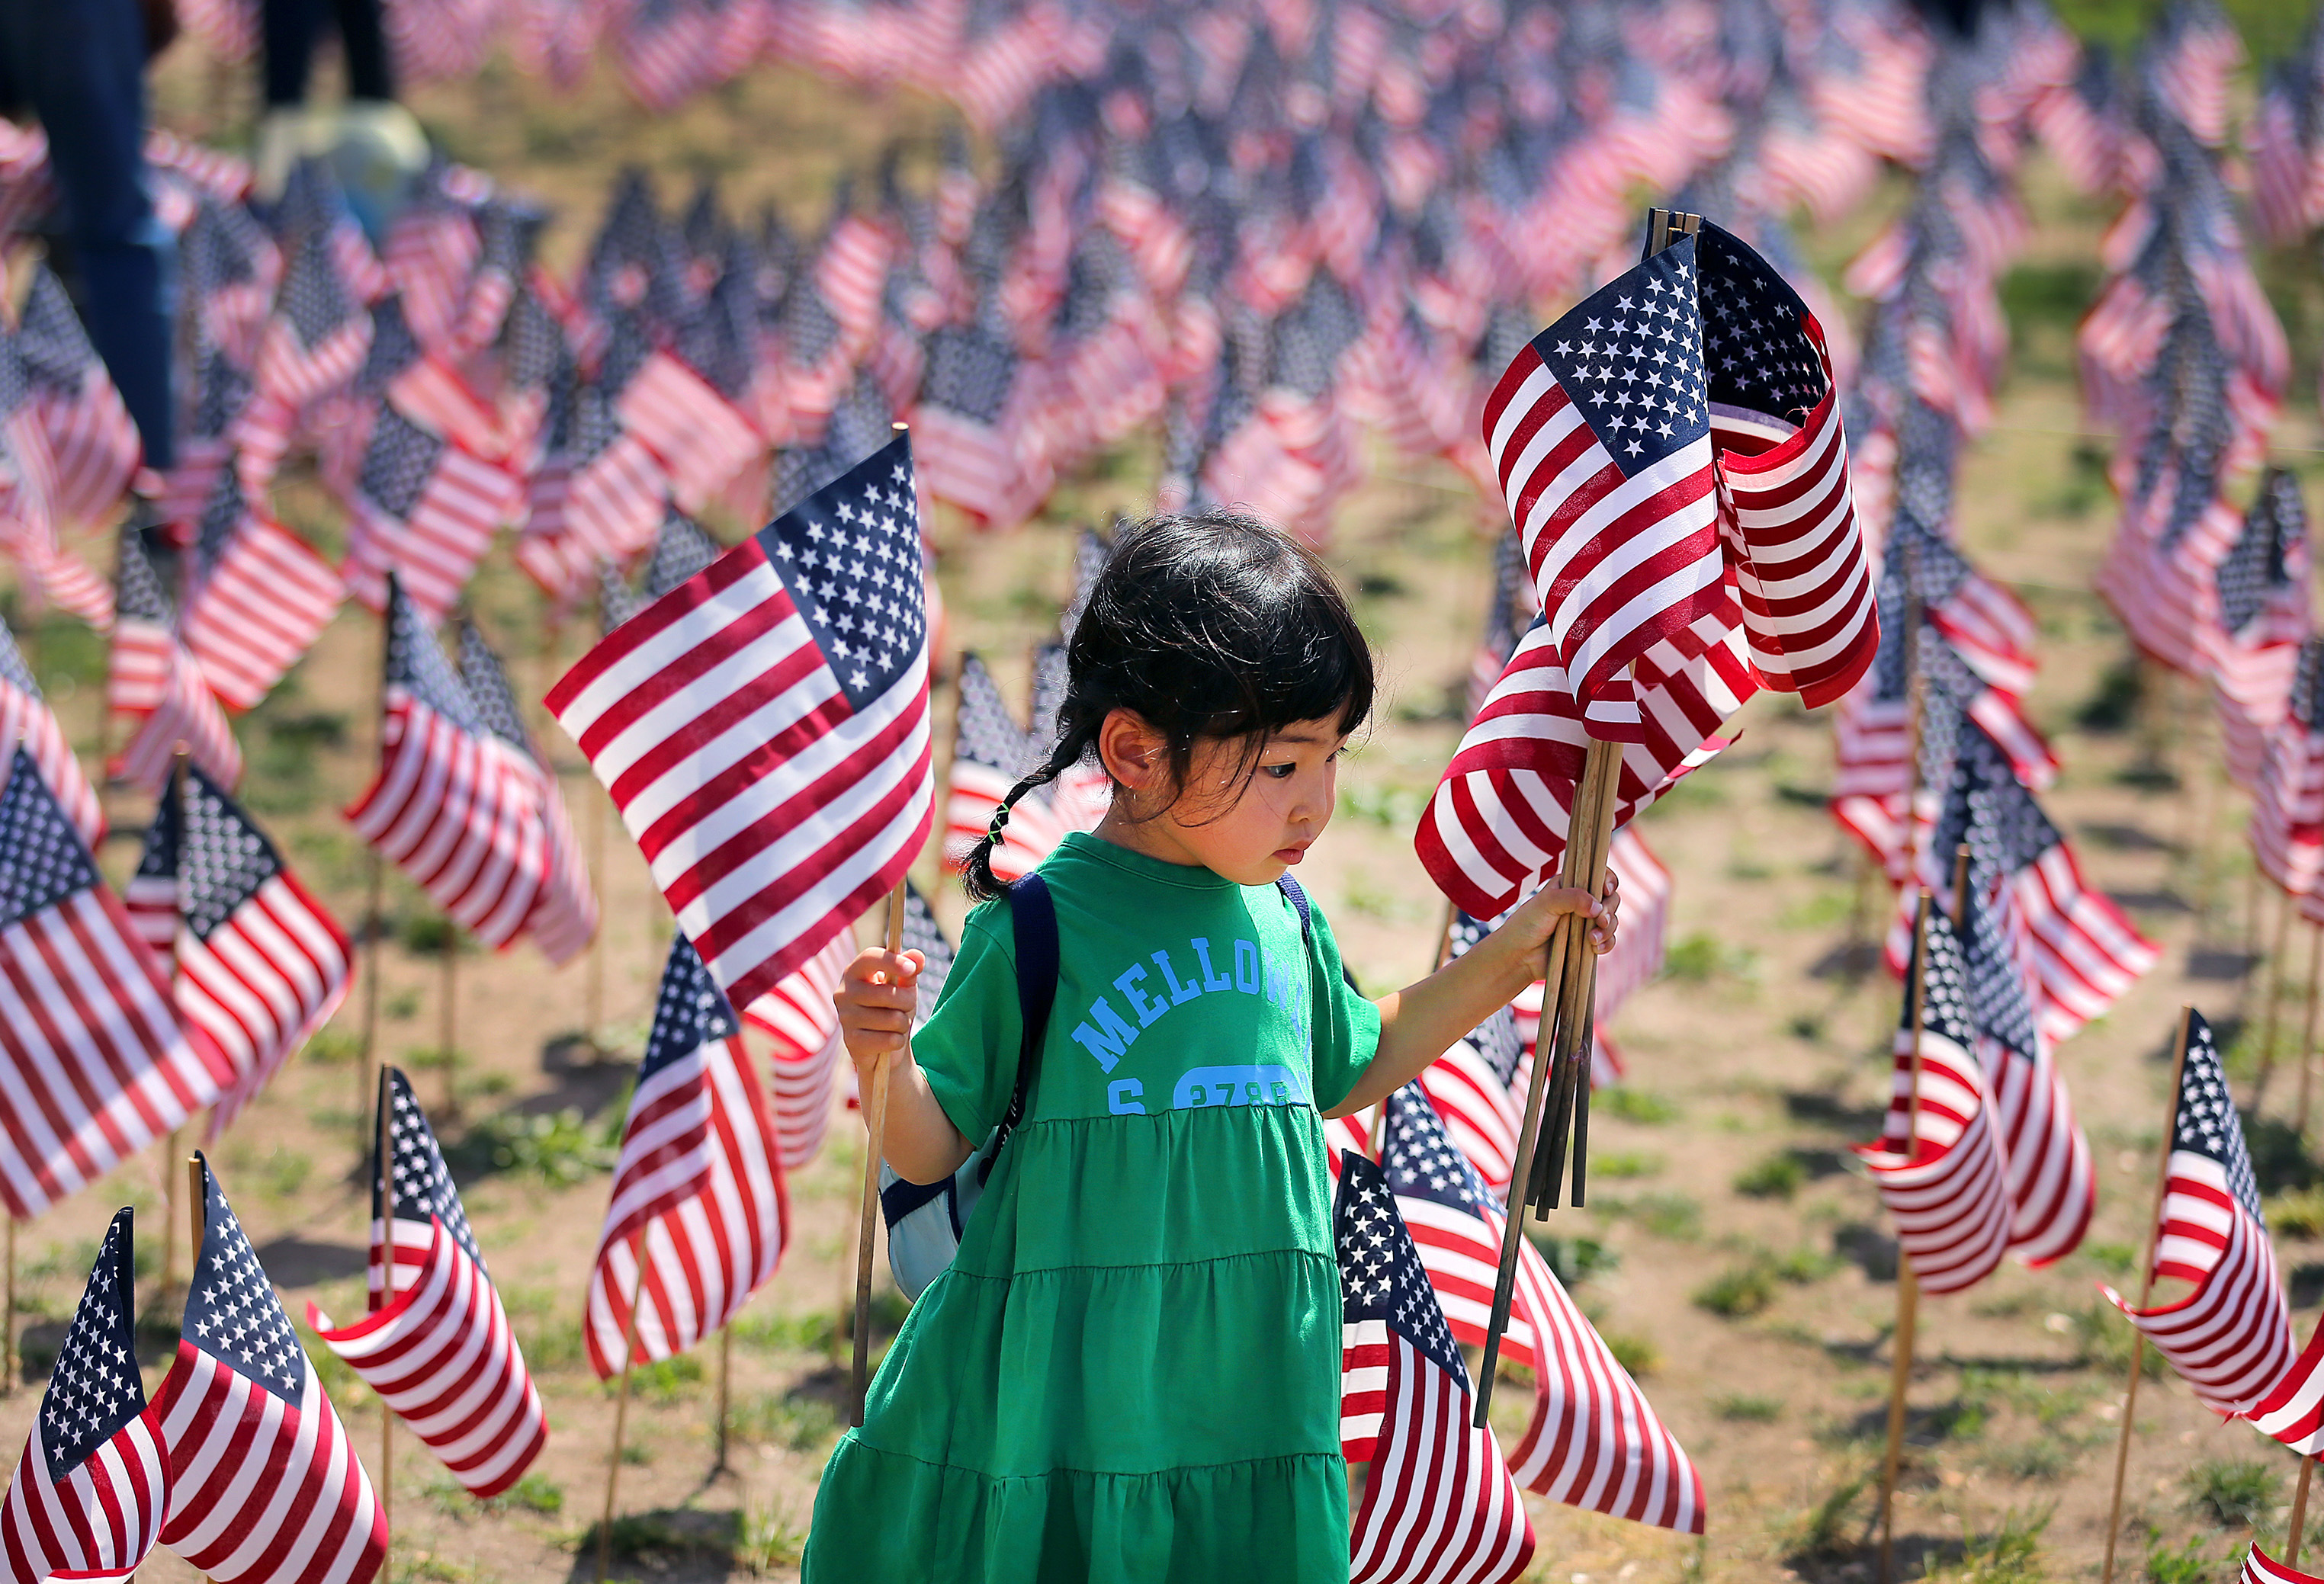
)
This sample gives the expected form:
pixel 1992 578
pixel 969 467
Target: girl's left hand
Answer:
pixel 1532 923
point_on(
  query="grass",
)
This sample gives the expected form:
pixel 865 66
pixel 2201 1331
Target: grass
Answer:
pixel 800 1424
pixel 1635 1105
pixel 2102 1337
pixel 1633 1352
pixel 560 1150
pixel 1574 1260
pixel 2185 1565
pixel 1666 1215
pixel 1778 1176
pixel 1821 1531
pixel 2010 1554
pixel 2299 1213
pixel 2235 1493
pixel 1747 1408
pixel 535 1493
pixel 665 1380
pixel 1626 1163
pixel 1740 1292
pixel 1701 958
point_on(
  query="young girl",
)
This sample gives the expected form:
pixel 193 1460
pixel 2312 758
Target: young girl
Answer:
pixel 1131 1372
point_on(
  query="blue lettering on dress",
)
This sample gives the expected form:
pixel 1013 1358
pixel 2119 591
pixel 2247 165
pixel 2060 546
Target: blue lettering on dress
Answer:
pixel 1200 1088
pixel 1213 980
pixel 1149 1011
pixel 1246 967
pixel 1111 1037
pixel 1180 994
pixel 1125 1097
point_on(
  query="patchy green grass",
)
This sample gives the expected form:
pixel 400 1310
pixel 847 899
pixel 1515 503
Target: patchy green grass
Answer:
pixel 1574 1260
pixel 2299 1213
pixel 2235 1493
pixel 560 1150
pixel 1633 1352
pixel 1746 1408
pixel 801 1423
pixel 1635 1105
pixel 1666 1215
pixel 1617 1164
pixel 1737 1294
pixel 1778 1176
pixel 2010 1554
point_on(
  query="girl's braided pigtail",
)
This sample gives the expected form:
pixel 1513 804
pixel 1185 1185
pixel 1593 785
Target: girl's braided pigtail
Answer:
pixel 977 876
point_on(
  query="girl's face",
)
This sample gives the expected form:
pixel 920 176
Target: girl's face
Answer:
pixel 1248 823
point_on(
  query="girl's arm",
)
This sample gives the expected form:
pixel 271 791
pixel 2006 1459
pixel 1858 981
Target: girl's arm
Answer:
pixel 875 1001
pixel 1419 1024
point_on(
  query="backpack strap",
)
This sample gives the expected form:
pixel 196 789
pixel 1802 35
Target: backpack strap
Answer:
pixel 1033 919
pixel 1297 895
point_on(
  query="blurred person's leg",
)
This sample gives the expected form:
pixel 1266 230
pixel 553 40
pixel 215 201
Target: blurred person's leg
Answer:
pixel 363 35
pixel 81 67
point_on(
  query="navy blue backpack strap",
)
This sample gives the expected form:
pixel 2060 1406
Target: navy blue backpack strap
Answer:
pixel 1297 895
pixel 1033 920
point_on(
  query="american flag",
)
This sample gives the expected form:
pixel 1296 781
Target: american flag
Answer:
pixel 1802 577
pixel 2259 1567
pixel 699 1198
pixel 1949 1190
pixel 2231 1335
pixel 2287 823
pixel 425 509
pixel 93 445
pixel 764 728
pixel 27 723
pixel 1439 1504
pixel 1600 436
pixel 261 597
pixel 264 1485
pixel 438 1349
pixel 700 439
pixel 2052 1184
pixel 2264 616
pixel 97 1064
pixel 258 965
pixel 972 451
pixel 456 805
pixel 314 342
pixel 990 752
pixel 1594 1441
pixel 87 1499
pixel 153 680
pixel 800 1021
pixel 2080 952
pixel 564 917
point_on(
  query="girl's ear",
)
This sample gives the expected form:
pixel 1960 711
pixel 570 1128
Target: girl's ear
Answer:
pixel 1134 753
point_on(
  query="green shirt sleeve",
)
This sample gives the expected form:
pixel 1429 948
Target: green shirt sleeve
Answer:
pixel 1347 1026
pixel 968 1046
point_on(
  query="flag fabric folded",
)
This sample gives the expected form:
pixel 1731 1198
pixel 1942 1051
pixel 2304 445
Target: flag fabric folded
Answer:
pixel 799 1020
pixel 256 961
pixel 699 1213
pixel 437 1346
pixel 425 509
pixel 2259 1567
pixel 1942 1174
pixel 2264 618
pixel 1439 1504
pixel 94 1063
pixel 152 679
pixel 26 722
pixel 2230 1338
pixel 89 1494
pixel 264 1486
pixel 764 728
pixel 93 445
pixel 463 804
pixel 261 597
pixel 990 753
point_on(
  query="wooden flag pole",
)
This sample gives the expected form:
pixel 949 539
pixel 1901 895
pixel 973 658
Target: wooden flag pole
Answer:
pixel 1570 1100
pixel 372 927
pixel 875 1122
pixel 8 1320
pixel 385 1181
pixel 449 1026
pixel 1536 1094
pixel 725 1376
pixel 621 1402
pixel 2145 1293
pixel 1908 1285
pixel 2308 1027
pixel 175 785
pixel 2299 1511
pixel 2274 994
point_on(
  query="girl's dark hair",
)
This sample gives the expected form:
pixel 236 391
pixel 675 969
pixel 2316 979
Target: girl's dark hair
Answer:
pixel 1207 626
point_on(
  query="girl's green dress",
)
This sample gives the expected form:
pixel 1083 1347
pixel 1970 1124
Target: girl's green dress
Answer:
pixel 1131 1370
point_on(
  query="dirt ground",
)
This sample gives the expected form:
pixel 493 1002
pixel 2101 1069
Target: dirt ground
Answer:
pixel 1732 1255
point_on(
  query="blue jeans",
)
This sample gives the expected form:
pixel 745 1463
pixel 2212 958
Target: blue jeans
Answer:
pixel 80 65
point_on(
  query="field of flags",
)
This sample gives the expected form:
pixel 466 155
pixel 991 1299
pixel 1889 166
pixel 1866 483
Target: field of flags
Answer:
pixel 1283 247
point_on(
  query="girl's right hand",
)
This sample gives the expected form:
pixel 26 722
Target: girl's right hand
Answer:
pixel 876 998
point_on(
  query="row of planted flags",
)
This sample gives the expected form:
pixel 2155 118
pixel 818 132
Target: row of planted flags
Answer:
pixel 1686 533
